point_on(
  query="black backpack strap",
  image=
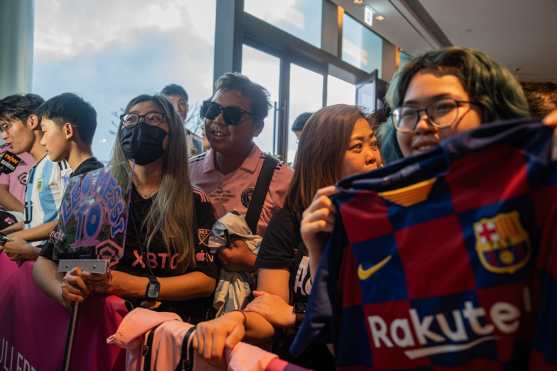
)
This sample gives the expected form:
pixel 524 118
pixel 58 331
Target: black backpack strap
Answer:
pixel 148 349
pixel 260 192
pixel 186 357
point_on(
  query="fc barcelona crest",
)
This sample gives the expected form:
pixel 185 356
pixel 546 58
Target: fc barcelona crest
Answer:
pixel 502 243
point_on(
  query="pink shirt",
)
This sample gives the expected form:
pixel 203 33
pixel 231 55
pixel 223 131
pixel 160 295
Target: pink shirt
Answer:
pixel 17 180
pixel 233 191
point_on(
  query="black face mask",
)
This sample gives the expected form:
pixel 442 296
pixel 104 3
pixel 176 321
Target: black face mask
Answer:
pixel 142 143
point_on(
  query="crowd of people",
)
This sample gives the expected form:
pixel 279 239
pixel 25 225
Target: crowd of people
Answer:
pixel 253 282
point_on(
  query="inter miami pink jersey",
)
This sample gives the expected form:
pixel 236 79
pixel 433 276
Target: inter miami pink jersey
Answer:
pixel 233 191
pixel 446 260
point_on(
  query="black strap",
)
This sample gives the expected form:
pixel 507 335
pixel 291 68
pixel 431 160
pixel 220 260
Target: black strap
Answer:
pixel 186 357
pixel 261 188
pixel 148 350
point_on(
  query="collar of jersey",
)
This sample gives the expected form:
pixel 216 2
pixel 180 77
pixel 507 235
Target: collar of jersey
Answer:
pixel 410 195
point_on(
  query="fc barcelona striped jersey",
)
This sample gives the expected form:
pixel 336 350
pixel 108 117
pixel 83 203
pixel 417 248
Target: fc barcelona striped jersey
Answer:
pixel 446 260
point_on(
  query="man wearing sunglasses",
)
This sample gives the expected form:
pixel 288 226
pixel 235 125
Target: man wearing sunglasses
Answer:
pixel 229 171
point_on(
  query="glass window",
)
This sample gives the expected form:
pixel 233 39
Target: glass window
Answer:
pixel 340 91
pixel 264 69
pixel 301 18
pixel 404 58
pixel 361 47
pixel 306 95
pixel 111 51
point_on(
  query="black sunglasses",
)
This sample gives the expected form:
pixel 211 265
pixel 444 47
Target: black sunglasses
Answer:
pixel 232 115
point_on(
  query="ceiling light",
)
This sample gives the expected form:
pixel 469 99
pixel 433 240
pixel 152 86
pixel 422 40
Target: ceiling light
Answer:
pixel 380 18
pixel 358 2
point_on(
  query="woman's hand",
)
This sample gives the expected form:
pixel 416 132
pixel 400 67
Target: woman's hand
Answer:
pixel 212 336
pixel 317 219
pixel 74 288
pixel 273 308
pixel 101 283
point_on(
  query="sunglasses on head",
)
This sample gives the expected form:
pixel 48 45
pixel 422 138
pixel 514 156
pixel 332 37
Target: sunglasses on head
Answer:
pixel 232 115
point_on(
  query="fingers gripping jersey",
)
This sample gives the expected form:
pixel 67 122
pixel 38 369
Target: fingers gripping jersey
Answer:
pixel 445 261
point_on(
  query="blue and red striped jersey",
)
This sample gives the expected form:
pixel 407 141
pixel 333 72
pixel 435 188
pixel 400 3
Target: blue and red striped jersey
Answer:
pixel 446 260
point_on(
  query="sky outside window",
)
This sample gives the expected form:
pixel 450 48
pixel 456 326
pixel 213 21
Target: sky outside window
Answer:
pixel 111 51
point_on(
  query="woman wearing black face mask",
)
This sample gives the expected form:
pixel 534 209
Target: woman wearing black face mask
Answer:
pixel 166 263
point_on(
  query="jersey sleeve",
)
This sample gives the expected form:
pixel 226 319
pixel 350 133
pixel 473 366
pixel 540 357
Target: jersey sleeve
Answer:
pixel 4 179
pixel 47 251
pixel 58 182
pixel 280 184
pixel 279 242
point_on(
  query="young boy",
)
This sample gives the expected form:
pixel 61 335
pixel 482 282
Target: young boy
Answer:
pixel 68 124
pixel 178 96
pixel 20 128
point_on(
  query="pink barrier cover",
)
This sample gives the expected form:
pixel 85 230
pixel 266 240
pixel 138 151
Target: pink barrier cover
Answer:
pixel 33 327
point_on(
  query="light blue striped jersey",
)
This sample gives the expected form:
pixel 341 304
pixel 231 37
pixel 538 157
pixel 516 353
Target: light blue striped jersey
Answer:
pixel 46 183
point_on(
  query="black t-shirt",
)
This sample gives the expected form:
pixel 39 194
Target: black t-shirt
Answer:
pixel 136 259
pixel 282 248
pixel 86 166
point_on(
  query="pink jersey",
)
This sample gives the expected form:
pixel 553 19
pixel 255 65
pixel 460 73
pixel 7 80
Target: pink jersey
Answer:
pixel 233 191
pixel 17 180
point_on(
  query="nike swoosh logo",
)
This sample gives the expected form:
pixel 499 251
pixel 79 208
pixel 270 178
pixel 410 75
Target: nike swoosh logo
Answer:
pixel 364 274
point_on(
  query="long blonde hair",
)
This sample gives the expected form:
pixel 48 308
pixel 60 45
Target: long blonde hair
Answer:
pixel 172 209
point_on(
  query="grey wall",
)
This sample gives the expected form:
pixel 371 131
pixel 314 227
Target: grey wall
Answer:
pixel 16 46
pixel 389 60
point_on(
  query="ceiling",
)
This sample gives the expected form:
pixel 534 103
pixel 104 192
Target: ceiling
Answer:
pixel 521 34
pixel 518 33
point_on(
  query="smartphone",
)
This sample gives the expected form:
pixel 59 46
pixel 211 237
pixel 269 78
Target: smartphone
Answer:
pixel 88 265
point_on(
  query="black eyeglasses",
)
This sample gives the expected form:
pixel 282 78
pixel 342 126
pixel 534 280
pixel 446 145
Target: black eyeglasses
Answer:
pixel 441 113
pixel 232 115
pixel 153 118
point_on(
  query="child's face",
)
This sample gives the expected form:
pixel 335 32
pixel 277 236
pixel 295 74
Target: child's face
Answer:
pixel 180 105
pixel 426 90
pixel 56 139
